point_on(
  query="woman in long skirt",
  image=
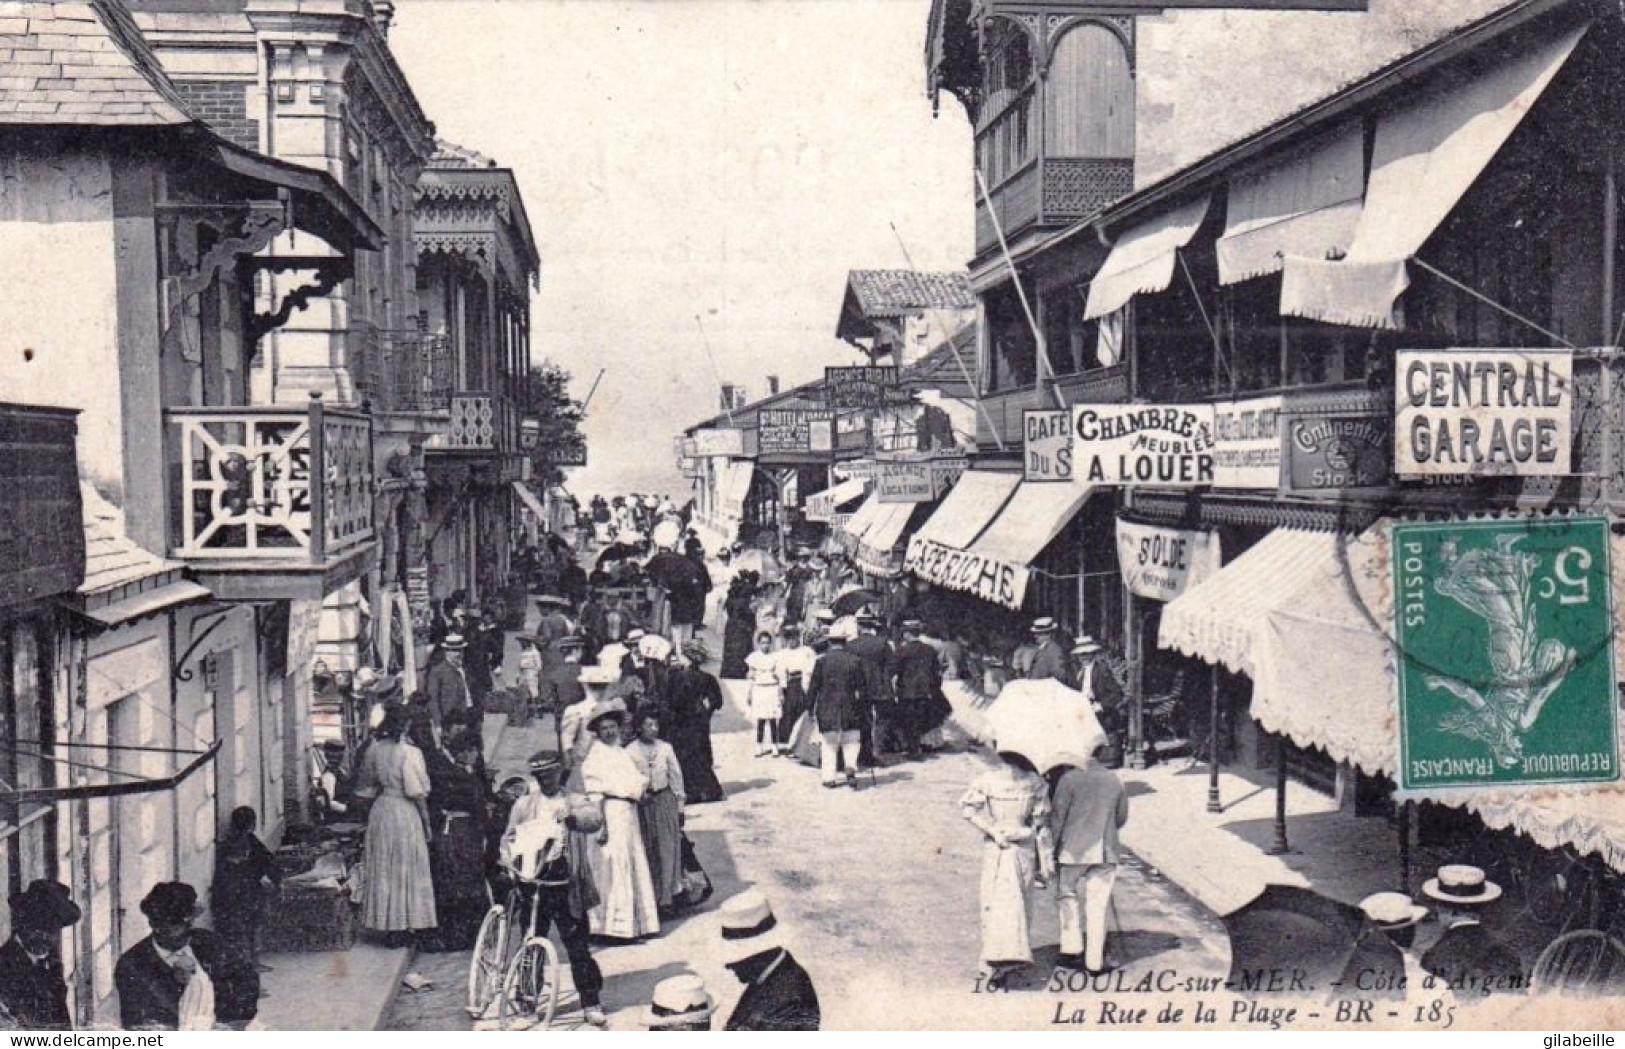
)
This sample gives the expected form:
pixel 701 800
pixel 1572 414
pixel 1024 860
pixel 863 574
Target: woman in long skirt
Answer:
pixel 660 813
pixel 620 866
pixel 741 625
pixel 695 698
pixel 399 897
pixel 457 801
pixel 764 703
pixel 1010 806
pixel 793 665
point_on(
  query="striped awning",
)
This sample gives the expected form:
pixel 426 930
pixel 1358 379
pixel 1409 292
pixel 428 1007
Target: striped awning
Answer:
pixel 822 506
pixel 878 545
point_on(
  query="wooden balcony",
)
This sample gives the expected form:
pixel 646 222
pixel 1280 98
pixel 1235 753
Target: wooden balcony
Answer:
pixel 1100 386
pixel 272 502
pixel 482 424
pixel 402 370
pixel 1052 191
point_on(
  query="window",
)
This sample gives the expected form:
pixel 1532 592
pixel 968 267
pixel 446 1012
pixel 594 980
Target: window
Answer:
pixel 1073 342
pixel 1089 95
pixel 27 739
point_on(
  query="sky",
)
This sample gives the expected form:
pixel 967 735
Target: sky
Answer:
pixel 730 159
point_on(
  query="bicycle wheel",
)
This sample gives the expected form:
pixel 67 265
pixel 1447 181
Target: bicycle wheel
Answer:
pixel 530 992
pixel 487 964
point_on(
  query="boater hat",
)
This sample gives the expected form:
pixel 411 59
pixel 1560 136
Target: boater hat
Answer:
pixel 747 924
pixel 679 1001
pixel 1392 910
pixel 1044 625
pixel 453 643
pixel 1459 883
pixel 1086 646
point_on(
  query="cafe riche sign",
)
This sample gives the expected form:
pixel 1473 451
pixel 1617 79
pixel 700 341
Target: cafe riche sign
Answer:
pixel 1483 412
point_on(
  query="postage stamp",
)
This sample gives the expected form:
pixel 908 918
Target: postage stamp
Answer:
pixel 1505 635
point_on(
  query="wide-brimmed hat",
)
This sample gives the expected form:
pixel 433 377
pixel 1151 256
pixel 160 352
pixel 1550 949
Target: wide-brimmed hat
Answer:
pixel 1087 646
pixel 544 760
pixel 453 643
pixel 553 599
pixel 170 902
pixel 598 675
pixel 748 922
pixel 695 649
pixel 1044 625
pixel 609 708
pixel 678 1001
pixel 844 629
pixel 1460 883
pixel 1392 910
pixel 44 905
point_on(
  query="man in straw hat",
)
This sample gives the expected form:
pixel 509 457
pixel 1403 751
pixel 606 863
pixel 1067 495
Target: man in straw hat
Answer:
pixel 446 686
pixel 1468 956
pixel 181 977
pixel 1050 660
pixel 680 1003
pixel 839 688
pixel 1088 806
pixel 1383 955
pixel 779 995
pixel 32 988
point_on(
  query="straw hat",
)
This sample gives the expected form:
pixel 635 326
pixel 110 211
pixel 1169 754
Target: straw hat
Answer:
pixel 1087 646
pixel 1392 910
pixel 1461 884
pixel 1044 625
pixel 453 643
pixel 609 708
pixel 747 922
pixel 598 675
pixel 679 1001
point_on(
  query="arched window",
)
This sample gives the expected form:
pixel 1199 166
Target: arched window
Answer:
pixel 1089 95
pixel 1004 141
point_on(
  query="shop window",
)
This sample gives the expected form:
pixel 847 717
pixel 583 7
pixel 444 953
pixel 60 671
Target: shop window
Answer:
pixel 27 741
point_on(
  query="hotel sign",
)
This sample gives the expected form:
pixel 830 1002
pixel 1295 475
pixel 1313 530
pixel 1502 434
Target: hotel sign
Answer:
pixel 789 431
pixel 1483 412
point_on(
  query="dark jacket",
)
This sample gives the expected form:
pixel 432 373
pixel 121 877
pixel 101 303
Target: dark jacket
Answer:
pixel 242 865
pixel 446 691
pixel 561 686
pixel 918 671
pixel 149 993
pixel 876 654
pixel 1051 662
pixel 838 689
pixel 36 995
pixel 783 1000
pixel 1470 956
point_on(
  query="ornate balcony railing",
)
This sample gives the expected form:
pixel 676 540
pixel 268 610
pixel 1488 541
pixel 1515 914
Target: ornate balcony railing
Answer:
pixel 1004 410
pixel 271 483
pixel 402 370
pixel 480 422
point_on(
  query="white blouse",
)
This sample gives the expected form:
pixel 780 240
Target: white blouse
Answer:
pixel 658 762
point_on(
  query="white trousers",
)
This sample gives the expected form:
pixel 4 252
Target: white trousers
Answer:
pixel 846 743
pixel 1085 894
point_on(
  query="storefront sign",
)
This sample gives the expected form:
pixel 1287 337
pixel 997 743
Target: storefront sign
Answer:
pixel 690 468
pixel 1162 563
pixel 863 469
pixel 723 443
pixel 1165 445
pixel 945 473
pixel 1484 412
pixel 1336 453
pixel 1247 444
pixel 1505 639
pixel 975 574
pixel 787 431
pixel 1047 444
pixel 906 482
pixel 821 505
pixel 821 435
pixel 863 387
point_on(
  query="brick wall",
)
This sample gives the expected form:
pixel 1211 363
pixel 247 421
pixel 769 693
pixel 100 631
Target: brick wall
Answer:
pixel 223 105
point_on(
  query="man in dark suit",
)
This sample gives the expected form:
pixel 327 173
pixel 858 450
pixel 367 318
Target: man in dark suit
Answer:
pixel 876 653
pixel 152 977
pixel 1468 956
pixel 446 685
pixel 31 985
pixel 1051 660
pixel 838 691
pixel 918 680
pixel 779 994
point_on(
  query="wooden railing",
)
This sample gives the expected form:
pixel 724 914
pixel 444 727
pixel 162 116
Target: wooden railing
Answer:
pixel 1099 386
pixel 271 483
pixel 480 422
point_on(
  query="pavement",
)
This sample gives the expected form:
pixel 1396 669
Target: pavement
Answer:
pixel 354 989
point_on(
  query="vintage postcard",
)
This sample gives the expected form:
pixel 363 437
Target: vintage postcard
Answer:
pixel 764 515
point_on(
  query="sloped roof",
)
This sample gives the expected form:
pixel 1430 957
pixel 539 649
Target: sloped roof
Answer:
pixel 81 62
pixel 888 293
pixel 451 155
pixel 942 370
pixel 113 559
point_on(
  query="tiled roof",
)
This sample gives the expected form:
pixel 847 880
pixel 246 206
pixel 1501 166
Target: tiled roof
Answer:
pixel 82 62
pixel 887 293
pixel 112 559
pixel 451 155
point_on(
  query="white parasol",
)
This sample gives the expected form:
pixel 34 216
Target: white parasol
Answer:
pixel 1045 722
pixel 666 535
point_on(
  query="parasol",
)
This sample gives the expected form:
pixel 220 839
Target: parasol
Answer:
pixel 1291 929
pixel 853 601
pixel 1045 722
pixel 666 535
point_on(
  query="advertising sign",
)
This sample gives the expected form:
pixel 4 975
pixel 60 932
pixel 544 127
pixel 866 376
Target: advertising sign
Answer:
pixel 787 431
pixel 1165 445
pixel 945 472
pixel 1505 638
pixel 1047 444
pixel 866 469
pixel 821 435
pixel 1484 412
pixel 989 579
pixel 906 481
pixel 1247 443
pixel 1336 453
pixel 872 386
pixel 719 442
pixel 1162 563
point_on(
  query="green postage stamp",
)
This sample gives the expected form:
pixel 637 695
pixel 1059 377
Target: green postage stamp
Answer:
pixel 1505 635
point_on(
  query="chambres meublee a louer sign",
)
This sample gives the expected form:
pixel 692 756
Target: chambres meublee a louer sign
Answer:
pixel 1483 412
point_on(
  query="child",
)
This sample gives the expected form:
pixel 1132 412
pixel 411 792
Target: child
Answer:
pixel 765 702
pixel 242 868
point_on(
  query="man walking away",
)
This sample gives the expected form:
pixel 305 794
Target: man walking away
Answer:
pixel 879 711
pixel 837 693
pixel 919 678
pixel 1089 805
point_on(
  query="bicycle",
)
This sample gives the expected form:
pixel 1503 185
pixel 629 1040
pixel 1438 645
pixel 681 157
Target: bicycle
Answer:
pixel 525 983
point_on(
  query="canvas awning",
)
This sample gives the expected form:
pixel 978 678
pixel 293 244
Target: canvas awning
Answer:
pixel 822 506
pixel 1425 158
pixel 1029 522
pixel 1306 204
pixel 852 532
pixel 975 499
pixel 1143 259
pixel 528 500
pixel 733 488
pixel 881 537
pixel 148 602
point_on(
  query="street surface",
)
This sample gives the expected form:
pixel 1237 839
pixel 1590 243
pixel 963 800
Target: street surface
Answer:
pixel 876 893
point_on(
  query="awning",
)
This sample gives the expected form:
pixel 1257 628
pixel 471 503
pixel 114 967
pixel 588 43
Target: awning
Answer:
pixel 1029 522
pixel 974 500
pixel 856 526
pixel 733 488
pixel 528 499
pixel 1142 261
pixel 148 603
pixel 1425 159
pixel 937 553
pixel 880 539
pixel 822 506
pixel 1306 205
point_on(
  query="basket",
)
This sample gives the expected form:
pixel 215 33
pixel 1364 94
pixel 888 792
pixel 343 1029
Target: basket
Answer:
pixel 301 920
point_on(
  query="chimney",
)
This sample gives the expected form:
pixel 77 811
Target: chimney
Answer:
pixel 383 16
pixel 772 385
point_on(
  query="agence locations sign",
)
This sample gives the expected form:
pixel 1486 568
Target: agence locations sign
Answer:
pixel 1483 412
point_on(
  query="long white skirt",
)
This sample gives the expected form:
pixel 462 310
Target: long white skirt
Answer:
pixel 621 871
pixel 1006 875
pixel 399 894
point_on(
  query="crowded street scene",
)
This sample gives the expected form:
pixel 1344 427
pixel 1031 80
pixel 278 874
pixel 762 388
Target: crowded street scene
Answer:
pixel 812 515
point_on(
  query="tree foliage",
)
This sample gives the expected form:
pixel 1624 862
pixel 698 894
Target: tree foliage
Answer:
pixel 544 397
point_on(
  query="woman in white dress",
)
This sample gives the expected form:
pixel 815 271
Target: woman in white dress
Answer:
pixel 765 701
pixel 399 894
pixel 620 865
pixel 1009 804
pixel 574 738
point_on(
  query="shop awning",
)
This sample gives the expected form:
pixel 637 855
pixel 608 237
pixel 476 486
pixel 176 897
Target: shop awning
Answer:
pixel 1030 521
pixel 881 537
pixel 1306 204
pixel 148 602
pixel 822 506
pixel 865 518
pixel 1424 160
pixel 733 488
pixel 1143 259
pixel 528 500
pixel 975 499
